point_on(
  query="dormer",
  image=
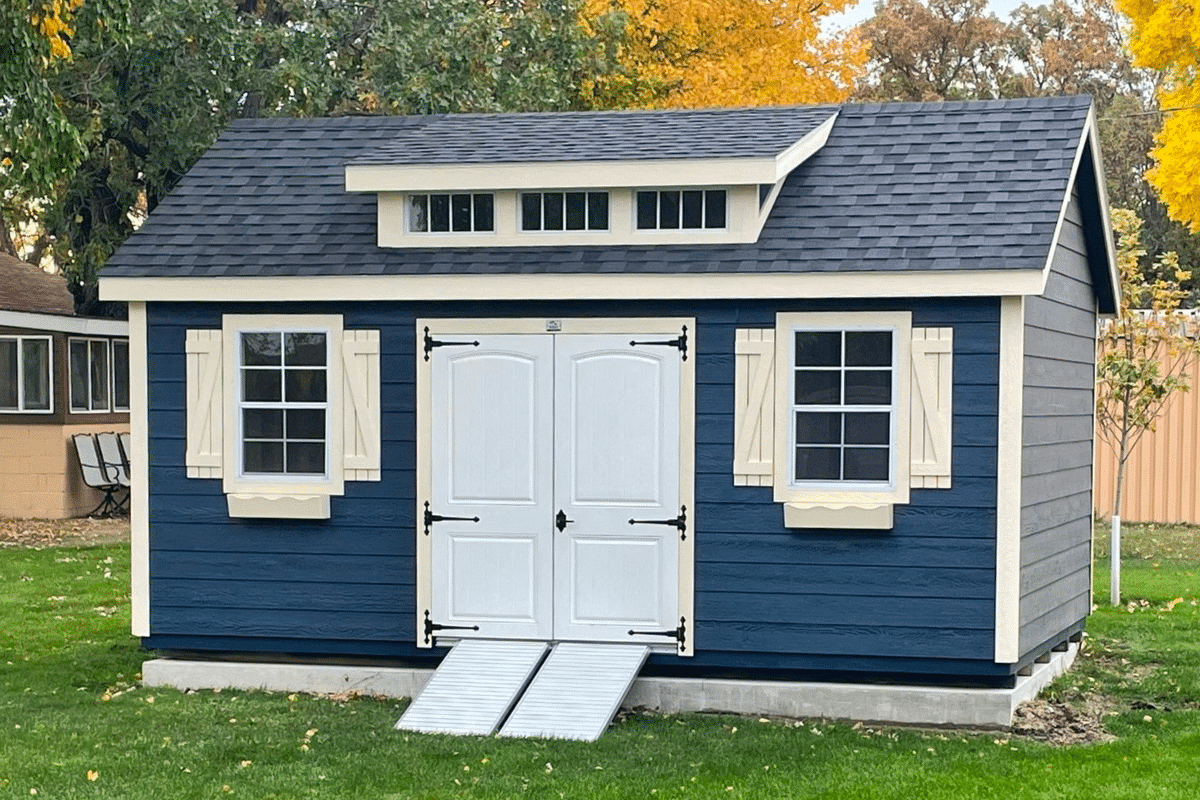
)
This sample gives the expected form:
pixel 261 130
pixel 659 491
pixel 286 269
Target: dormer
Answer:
pixel 606 178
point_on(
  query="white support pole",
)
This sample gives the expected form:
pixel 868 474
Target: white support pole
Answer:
pixel 1115 558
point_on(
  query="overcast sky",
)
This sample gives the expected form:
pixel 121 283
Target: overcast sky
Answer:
pixel 865 8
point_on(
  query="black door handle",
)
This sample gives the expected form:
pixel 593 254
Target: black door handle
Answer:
pixel 560 520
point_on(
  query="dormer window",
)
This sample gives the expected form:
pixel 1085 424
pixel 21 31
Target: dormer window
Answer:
pixel 674 209
pixel 564 211
pixel 445 213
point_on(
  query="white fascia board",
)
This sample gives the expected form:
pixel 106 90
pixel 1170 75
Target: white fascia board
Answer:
pixel 88 326
pixel 559 175
pixel 589 286
pixel 1090 137
pixel 803 149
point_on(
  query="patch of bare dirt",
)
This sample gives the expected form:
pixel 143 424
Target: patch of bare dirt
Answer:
pixel 1060 723
pixel 40 533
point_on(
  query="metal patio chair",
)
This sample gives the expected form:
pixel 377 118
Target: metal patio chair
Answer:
pixel 92 469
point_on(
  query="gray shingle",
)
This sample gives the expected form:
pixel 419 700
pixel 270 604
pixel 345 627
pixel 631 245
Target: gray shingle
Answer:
pixel 918 186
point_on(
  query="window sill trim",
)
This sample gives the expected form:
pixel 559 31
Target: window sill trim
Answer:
pixel 278 506
pixel 858 516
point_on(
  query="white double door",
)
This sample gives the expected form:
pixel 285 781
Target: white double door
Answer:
pixel 555 442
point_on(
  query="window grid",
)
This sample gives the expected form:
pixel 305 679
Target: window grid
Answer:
pixel 564 211
pixel 451 213
pixel 25 390
pixel 675 209
pixel 283 414
pixel 843 412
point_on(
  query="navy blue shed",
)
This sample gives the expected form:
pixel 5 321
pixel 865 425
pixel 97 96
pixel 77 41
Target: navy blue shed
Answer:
pixel 780 392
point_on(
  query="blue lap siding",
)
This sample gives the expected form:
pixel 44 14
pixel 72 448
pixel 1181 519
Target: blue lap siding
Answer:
pixel 916 599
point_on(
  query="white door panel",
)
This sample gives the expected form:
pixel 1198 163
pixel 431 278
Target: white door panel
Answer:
pixel 614 421
pixel 492 449
pixel 616 458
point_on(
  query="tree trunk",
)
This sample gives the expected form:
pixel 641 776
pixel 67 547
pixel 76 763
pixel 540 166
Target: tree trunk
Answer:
pixel 1114 548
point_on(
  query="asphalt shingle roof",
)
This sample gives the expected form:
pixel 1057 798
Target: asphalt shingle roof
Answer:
pixel 24 287
pixel 912 186
pixel 598 136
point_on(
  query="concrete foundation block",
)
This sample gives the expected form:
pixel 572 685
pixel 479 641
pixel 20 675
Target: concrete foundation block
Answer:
pixel 900 705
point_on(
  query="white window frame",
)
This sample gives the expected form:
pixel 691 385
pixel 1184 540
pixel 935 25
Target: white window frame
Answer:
pixel 704 190
pixel 409 220
pixel 841 493
pixel 257 486
pixel 20 376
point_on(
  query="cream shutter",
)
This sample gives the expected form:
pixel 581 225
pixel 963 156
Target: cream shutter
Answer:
pixel 360 404
pixel 754 406
pixel 929 447
pixel 205 404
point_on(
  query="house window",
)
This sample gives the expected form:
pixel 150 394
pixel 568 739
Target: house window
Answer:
pixel 283 403
pixel 676 209
pixel 564 211
pixel 91 375
pixel 120 372
pixel 25 373
pixel 843 410
pixel 446 213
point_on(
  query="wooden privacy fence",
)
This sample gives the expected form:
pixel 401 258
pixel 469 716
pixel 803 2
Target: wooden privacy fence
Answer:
pixel 1162 476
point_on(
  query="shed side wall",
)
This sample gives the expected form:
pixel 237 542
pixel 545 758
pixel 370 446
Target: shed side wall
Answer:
pixel 1056 487
pixel 917 599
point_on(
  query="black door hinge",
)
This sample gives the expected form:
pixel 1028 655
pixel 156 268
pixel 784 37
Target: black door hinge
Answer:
pixel 680 342
pixel 431 518
pixel 431 343
pixel 431 626
pixel 679 634
pixel 679 523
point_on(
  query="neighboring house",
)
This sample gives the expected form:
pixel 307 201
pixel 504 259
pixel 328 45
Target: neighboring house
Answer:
pixel 60 374
pixel 776 393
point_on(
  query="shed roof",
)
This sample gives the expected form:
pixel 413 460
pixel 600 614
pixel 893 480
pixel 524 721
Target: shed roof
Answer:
pixel 595 136
pixel 924 187
pixel 24 287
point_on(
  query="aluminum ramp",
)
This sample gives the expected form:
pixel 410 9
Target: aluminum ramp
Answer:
pixel 577 691
pixel 474 687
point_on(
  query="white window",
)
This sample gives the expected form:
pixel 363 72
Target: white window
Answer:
pixel 564 211
pixel 99 375
pixel 284 409
pixel 446 213
pixel 25 375
pixel 843 410
pixel 672 209
pixel 283 404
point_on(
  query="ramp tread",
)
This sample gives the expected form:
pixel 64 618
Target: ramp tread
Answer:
pixel 474 687
pixel 577 691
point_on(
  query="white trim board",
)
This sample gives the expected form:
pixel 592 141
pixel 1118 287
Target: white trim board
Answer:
pixel 87 326
pixel 1090 137
pixel 896 704
pixel 1009 449
pixel 580 286
pixel 139 471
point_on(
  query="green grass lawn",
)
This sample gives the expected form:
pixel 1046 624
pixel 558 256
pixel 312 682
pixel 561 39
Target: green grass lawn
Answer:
pixel 74 721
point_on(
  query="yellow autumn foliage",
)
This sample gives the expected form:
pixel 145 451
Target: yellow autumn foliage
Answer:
pixel 52 19
pixel 705 53
pixel 1166 36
